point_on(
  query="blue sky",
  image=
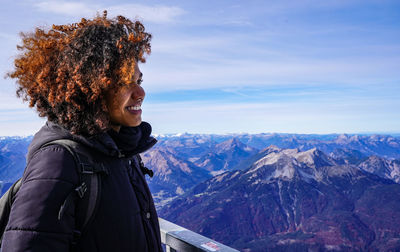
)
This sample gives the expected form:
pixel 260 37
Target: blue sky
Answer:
pixel 305 66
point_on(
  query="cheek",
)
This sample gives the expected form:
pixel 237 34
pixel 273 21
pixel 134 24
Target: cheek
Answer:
pixel 113 106
pixel 117 101
pixel 110 103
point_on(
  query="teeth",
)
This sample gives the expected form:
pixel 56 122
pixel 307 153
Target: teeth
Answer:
pixel 137 107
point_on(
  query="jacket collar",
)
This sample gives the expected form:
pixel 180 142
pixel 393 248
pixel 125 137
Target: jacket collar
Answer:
pixel 102 143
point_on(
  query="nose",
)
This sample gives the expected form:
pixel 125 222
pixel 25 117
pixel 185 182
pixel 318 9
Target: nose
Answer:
pixel 137 92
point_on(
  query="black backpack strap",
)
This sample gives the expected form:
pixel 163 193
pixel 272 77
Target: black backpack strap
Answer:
pixel 143 168
pixel 6 202
pixel 88 191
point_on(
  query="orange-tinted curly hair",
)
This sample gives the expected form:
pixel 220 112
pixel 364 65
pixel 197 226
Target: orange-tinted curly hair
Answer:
pixel 65 72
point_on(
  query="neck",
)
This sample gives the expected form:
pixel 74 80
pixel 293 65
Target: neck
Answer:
pixel 116 128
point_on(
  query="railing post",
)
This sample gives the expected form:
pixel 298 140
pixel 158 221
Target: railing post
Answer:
pixel 177 238
pixel 169 249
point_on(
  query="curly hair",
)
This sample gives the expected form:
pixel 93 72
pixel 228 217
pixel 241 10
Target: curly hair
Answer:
pixel 65 72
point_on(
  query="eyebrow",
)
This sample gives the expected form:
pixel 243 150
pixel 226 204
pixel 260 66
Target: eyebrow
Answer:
pixel 140 75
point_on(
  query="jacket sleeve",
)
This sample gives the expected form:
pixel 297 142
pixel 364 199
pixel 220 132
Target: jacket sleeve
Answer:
pixel 33 225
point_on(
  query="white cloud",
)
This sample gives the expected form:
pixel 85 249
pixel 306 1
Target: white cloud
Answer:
pixel 154 14
pixel 149 13
pixel 67 8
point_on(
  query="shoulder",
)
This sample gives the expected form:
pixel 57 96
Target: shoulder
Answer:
pixel 51 162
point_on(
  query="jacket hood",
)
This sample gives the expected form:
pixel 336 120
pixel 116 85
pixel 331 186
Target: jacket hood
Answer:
pixel 102 143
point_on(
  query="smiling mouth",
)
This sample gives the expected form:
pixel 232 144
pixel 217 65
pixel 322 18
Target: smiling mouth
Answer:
pixel 134 108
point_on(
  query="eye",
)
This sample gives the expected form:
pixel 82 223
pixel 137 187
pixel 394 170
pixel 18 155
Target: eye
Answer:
pixel 139 81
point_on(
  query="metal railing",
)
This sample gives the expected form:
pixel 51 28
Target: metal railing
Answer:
pixel 180 239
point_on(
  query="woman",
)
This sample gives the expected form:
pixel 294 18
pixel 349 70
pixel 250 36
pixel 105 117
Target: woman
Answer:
pixel 84 78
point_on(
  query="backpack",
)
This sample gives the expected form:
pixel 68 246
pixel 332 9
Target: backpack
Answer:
pixel 87 193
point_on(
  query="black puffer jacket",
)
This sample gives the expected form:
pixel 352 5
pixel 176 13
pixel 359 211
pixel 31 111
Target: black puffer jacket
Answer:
pixel 126 219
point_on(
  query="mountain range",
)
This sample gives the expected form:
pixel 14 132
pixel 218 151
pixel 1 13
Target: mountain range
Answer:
pixel 220 153
pixel 291 200
pixel 12 159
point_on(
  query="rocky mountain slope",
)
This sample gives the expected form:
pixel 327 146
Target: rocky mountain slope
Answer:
pixel 225 156
pixel 173 176
pixel 177 170
pixel 383 168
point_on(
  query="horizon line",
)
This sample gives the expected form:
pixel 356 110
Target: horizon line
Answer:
pixel 367 133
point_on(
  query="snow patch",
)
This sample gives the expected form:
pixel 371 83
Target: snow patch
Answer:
pixel 267 160
pixel 179 190
pixel 216 173
pixel 221 177
pixel 285 172
pixel 235 174
pixel 193 159
pixel 247 148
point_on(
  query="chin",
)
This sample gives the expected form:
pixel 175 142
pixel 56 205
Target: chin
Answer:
pixel 135 124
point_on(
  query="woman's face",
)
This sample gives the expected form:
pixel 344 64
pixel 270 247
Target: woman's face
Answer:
pixel 124 103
